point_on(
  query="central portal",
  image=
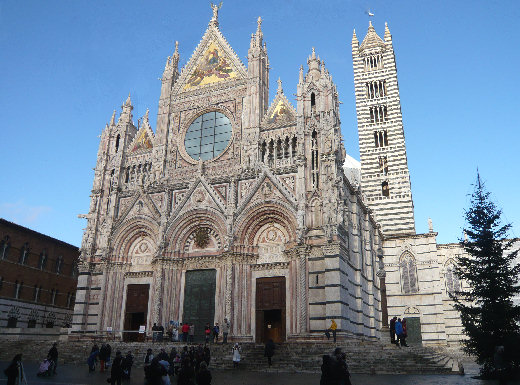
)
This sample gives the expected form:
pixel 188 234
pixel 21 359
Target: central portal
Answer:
pixel 199 300
pixel 270 309
pixel 136 311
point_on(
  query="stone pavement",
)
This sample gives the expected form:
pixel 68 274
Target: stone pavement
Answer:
pixel 79 375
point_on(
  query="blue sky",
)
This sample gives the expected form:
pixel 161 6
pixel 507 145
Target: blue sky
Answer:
pixel 66 65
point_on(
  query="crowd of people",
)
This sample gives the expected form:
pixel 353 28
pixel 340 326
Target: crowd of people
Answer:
pixel 398 332
pixel 185 332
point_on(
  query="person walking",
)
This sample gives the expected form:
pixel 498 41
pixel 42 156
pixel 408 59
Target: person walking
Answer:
pixel 109 353
pixel 116 372
pixel 236 355
pixel 179 332
pixel 15 373
pixel 216 331
pixel 192 332
pixel 53 356
pixel 333 327
pixel 92 358
pixel 392 330
pixel 399 332
pixel 102 358
pixel 207 332
pixel 405 333
pixel 127 364
pixel 269 351
pixel 226 327
pixel 204 375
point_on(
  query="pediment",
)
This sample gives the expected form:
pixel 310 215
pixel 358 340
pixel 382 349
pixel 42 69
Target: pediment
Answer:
pixel 268 187
pixel 281 112
pixel 212 62
pixel 141 205
pixel 200 195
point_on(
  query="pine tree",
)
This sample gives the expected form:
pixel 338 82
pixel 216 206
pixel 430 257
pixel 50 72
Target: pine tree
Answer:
pixel 489 316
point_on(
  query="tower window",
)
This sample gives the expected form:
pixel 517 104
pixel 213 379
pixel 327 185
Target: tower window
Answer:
pixel 385 190
pixel 375 89
pixel 380 138
pixel 294 147
pixel 313 102
pixel 373 63
pixel 383 165
pixel 117 142
pixel 314 161
pixel 378 114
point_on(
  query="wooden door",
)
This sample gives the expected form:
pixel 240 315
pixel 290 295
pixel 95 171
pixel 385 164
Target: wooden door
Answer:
pixel 136 309
pixel 270 309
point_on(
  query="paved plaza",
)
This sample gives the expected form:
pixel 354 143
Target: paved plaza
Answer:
pixel 74 375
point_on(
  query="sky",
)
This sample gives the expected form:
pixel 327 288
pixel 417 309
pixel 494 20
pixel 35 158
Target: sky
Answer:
pixel 66 65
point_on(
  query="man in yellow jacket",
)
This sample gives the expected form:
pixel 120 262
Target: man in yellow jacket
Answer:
pixel 333 327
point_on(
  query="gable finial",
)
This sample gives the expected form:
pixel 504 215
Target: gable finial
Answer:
pixel 280 90
pixel 215 8
pixel 146 116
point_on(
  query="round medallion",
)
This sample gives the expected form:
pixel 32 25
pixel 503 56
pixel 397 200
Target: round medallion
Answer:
pixel 208 136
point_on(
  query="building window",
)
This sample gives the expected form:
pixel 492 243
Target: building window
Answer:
pixel 380 138
pixel 59 263
pixel 43 260
pixel 208 136
pixel 373 63
pixel 5 245
pixel 54 294
pixel 383 165
pixel 378 114
pixel 385 190
pixel 313 102
pixel 408 274
pixel 314 160
pixel 375 89
pixel 37 292
pixel 452 280
pixel 117 142
pixel 24 254
pixel 17 289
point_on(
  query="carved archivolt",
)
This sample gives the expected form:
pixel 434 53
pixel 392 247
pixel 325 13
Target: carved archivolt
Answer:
pixel 271 240
pixel 256 217
pixel 132 238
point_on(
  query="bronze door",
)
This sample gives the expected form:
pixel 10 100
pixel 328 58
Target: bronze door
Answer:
pixel 270 309
pixel 199 300
pixel 136 310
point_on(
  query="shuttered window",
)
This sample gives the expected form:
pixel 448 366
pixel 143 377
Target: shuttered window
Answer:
pixel 408 274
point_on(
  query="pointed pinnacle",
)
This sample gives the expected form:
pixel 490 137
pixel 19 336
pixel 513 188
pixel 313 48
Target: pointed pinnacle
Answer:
pixel 354 36
pixel 146 115
pixel 128 101
pixel 313 53
pixel 113 119
pixel 176 47
pixel 259 22
pixel 280 90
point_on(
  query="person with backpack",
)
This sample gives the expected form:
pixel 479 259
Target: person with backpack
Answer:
pixel 399 332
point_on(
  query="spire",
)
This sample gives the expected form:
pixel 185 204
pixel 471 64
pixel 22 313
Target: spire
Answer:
pixel 279 90
pixel 175 56
pixel 371 40
pixel 259 34
pixel 388 35
pixel 253 41
pixel 126 115
pixel 314 65
pixel 113 119
pixel 300 80
pixel 354 39
pixel 215 8
pixel 128 101
pixel 146 116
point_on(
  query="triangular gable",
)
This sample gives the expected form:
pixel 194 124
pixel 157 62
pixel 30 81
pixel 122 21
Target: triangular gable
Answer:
pixel 281 112
pixel 267 187
pixel 143 140
pixel 141 205
pixel 200 194
pixel 213 61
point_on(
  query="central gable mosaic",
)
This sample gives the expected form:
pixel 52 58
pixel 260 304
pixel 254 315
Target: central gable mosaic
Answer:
pixel 214 66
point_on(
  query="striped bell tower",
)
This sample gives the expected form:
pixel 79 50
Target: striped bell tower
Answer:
pixel 385 179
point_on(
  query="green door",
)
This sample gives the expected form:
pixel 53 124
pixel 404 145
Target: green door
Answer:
pixel 413 329
pixel 199 300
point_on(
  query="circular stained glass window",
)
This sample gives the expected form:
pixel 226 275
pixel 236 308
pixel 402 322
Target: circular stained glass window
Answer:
pixel 208 136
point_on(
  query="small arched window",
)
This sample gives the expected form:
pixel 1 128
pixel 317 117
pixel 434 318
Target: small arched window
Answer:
pixel 43 260
pixel 408 270
pixel 117 142
pixel 24 254
pixel 452 279
pixel 59 264
pixel 385 190
pixel 313 101
pixel 5 245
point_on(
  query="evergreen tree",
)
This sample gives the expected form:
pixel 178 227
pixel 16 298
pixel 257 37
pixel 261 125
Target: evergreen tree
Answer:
pixel 489 316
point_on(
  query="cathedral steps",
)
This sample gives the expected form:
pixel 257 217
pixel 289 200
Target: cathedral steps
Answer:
pixel 362 357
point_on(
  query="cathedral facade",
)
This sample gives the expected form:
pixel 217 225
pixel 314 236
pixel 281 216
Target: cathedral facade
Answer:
pixel 233 208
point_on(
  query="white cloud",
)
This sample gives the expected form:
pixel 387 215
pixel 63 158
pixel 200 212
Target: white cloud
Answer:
pixel 21 213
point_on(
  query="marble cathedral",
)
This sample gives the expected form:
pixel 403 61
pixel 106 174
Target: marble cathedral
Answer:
pixel 252 211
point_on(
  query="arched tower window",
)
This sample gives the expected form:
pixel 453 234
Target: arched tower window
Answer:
pixel 314 160
pixel 452 279
pixel 294 141
pixel 385 190
pixel 408 274
pixel 313 102
pixel 117 142
pixel 264 151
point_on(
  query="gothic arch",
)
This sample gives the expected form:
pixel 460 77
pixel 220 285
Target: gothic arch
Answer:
pixel 253 219
pixel 181 231
pixel 408 270
pixel 452 280
pixel 125 237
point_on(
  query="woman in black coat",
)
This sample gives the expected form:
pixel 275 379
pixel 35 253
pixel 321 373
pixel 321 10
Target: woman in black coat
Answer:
pixel 15 371
pixel 269 351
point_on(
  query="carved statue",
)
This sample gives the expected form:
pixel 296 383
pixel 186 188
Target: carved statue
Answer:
pixel 215 9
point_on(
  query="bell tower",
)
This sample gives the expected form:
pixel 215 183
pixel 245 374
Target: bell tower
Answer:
pixel 385 178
